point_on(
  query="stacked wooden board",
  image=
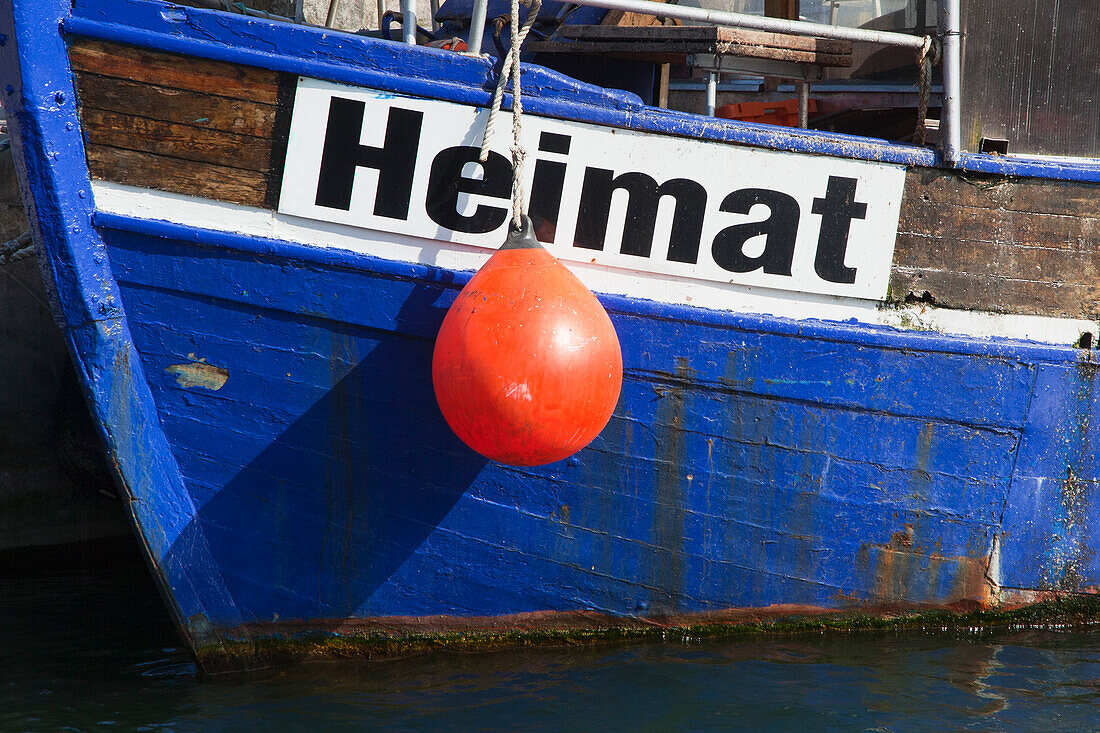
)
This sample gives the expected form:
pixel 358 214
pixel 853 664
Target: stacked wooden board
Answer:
pixel 185 125
pixel 673 44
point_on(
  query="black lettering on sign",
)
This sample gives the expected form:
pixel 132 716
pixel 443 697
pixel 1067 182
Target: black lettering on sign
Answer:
pixel 641 213
pixel 837 210
pixel 395 161
pixel 779 230
pixel 446 182
pixel 547 186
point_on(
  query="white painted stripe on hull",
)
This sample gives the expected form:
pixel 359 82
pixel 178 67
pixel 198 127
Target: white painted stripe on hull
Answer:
pixel 216 215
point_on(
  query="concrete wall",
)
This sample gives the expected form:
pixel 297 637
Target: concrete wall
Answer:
pixel 352 15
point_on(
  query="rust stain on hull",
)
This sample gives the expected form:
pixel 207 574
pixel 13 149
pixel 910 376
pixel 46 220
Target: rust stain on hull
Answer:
pixel 904 571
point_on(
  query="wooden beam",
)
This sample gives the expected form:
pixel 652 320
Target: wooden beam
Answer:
pixel 781 9
pixel 676 52
pixel 705 34
pixel 623 18
pixel 662 86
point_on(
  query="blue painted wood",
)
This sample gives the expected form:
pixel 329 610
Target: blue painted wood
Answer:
pixel 1053 539
pixel 744 466
pixel 1083 169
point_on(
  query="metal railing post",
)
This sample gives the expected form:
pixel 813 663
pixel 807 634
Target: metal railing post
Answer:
pixel 333 8
pixel 408 21
pixel 712 92
pixel 477 27
pixel 951 116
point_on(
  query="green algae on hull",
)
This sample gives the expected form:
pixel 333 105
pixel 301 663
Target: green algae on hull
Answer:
pixel 239 653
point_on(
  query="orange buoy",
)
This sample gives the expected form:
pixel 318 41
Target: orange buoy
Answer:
pixel 527 367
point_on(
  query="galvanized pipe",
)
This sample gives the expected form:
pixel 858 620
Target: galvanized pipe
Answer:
pixel 760 23
pixel 477 27
pixel 951 114
pixel 381 11
pixel 408 22
pixel 712 92
pixel 333 7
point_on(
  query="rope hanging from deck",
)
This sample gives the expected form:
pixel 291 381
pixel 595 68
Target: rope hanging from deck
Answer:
pixel 927 57
pixel 511 70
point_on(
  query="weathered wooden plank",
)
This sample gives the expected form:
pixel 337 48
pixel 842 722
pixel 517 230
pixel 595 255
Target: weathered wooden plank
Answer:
pixel 1030 229
pixel 173 140
pixel 998 294
pixel 207 180
pixel 733 48
pixel 1026 246
pixel 788 9
pixel 177 72
pixel 997 259
pixel 622 18
pixel 928 186
pixel 175 105
pixel 676 51
pixel 704 33
pixel 631 54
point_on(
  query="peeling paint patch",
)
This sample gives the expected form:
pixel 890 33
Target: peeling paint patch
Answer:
pixel 199 374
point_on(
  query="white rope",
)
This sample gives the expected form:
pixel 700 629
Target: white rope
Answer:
pixel 511 70
pixel 927 57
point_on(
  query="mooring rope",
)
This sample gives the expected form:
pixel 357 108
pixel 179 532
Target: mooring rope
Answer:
pixel 927 57
pixel 13 247
pixel 17 249
pixel 511 70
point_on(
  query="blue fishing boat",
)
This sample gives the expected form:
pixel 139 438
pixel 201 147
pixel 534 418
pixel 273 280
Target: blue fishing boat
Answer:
pixel 857 372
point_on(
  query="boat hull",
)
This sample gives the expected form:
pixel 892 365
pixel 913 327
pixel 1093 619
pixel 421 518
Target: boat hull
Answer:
pixel 751 463
pixel 262 382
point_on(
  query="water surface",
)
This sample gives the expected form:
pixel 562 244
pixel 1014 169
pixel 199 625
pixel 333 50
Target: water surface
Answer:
pixel 85 644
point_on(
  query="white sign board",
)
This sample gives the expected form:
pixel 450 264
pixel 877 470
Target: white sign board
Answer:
pixel 636 201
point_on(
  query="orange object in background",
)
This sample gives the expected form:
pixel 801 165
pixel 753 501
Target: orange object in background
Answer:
pixel 527 366
pixel 449 44
pixel 784 112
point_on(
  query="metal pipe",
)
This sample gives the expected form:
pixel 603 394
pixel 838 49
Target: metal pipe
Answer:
pixel 712 92
pixel 477 27
pixel 408 22
pixel 381 11
pixel 760 23
pixel 951 114
pixel 333 6
pixel 435 11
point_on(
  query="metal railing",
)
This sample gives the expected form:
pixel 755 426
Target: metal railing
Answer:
pixel 949 24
